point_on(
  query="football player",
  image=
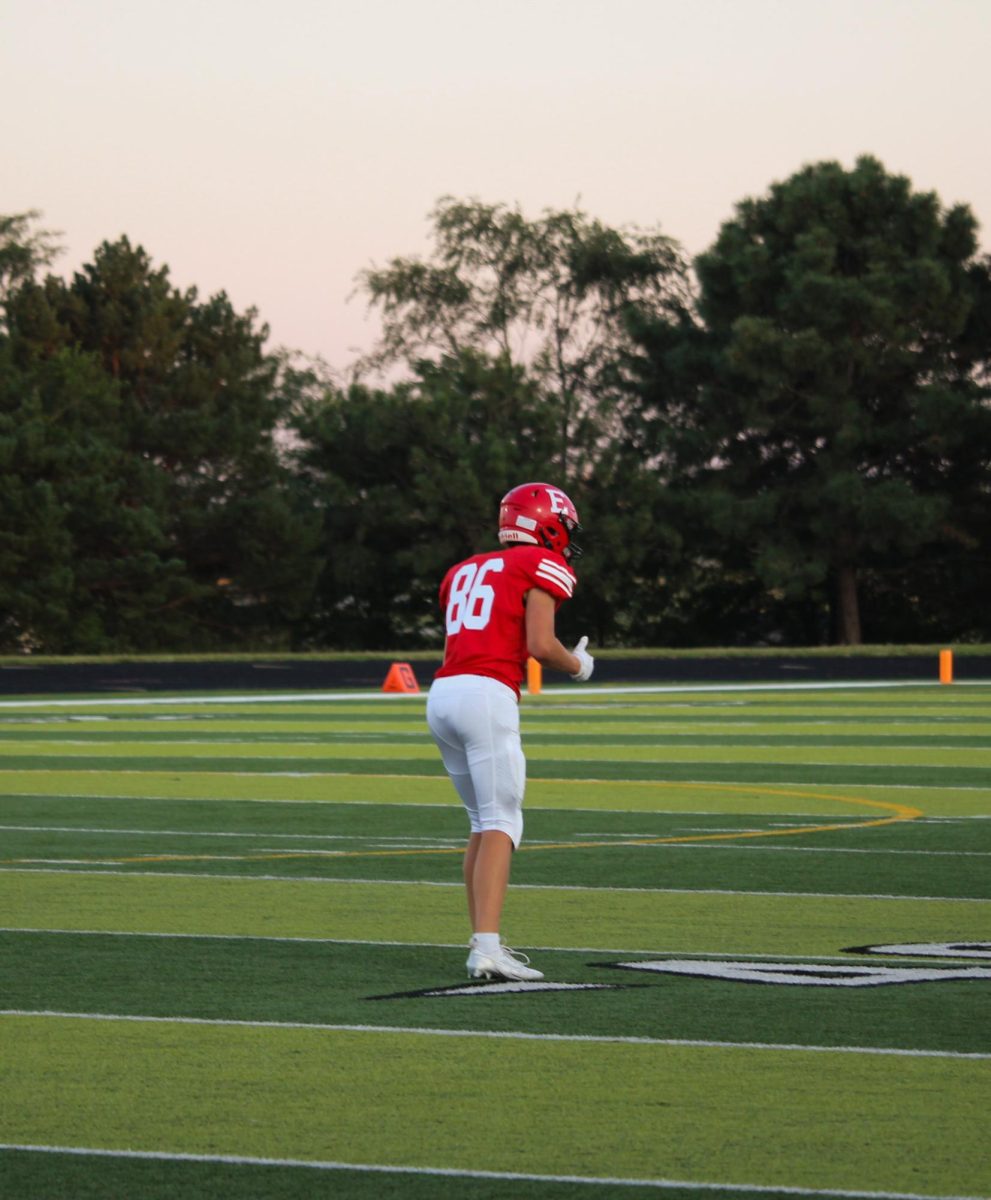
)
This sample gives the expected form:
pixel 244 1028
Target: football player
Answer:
pixel 499 609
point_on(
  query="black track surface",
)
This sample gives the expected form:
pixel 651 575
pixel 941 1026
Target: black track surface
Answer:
pixel 289 674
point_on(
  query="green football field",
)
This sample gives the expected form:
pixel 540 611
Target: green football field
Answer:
pixel 233 935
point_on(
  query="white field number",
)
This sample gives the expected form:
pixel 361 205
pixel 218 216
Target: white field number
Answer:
pixel 469 605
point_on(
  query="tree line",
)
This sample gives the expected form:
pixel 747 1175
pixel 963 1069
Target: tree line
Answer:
pixel 785 441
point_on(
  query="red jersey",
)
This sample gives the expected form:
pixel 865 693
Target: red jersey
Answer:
pixel 484 605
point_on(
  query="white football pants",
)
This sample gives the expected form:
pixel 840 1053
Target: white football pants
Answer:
pixel 475 722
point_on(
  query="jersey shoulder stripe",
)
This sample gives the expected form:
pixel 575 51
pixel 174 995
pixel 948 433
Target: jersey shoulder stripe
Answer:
pixel 553 567
pixel 557 568
pixel 552 572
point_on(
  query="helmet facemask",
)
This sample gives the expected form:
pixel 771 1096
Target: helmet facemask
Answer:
pixel 571 551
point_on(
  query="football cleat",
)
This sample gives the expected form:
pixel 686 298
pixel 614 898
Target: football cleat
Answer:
pixel 507 964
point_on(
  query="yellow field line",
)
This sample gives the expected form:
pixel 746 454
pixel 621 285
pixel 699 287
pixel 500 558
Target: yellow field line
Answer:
pixel 902 812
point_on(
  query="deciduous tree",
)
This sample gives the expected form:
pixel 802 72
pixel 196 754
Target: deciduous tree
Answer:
pixel 23 249
pixel 548 294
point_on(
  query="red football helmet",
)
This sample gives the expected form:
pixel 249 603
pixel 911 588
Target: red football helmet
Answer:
pixel 538 514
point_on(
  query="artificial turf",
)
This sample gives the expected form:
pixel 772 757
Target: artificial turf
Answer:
pixel 290 869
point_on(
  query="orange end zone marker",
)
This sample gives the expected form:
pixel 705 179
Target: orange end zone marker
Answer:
pixel 534 676
pixel 946 666
pixel 400 679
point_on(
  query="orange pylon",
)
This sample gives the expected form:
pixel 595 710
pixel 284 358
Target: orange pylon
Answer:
pixel 400 679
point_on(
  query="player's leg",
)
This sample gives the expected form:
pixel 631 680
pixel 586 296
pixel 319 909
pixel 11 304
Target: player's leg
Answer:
pixel 498 772
pixel 490 728
pixel 445 704
pixel 475 723
pixel 471 855
pixel 489 880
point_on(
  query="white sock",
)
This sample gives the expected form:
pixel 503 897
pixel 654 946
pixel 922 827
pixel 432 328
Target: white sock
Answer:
pixel 487 943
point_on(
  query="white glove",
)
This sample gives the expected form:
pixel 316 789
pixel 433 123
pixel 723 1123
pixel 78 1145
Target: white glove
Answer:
pixel 587 662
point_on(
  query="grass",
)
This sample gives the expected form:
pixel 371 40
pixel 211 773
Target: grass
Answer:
pixel 233 943
pixel 101 1082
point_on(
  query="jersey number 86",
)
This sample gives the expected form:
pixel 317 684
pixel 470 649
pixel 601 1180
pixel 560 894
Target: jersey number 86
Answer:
pixel 469 605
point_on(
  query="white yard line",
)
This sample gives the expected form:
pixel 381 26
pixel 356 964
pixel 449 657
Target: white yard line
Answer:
pixel 411 746
pixel 428 777
pixel 530 887
pixel 624 951
pixel 507 1035
pixel 444 843
pixel 226 833
pixel 455 1173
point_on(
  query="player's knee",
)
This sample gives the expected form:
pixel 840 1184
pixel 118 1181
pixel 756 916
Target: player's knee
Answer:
pixel 511 824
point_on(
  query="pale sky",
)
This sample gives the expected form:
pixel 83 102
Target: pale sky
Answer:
pixel 275 149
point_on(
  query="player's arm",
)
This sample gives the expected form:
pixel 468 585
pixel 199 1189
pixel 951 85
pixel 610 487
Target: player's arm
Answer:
pixel 542 642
